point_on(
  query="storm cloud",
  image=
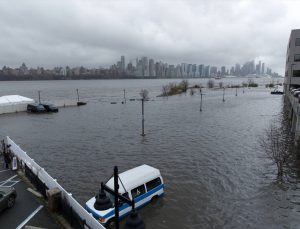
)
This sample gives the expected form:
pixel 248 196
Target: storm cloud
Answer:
pixel 96 33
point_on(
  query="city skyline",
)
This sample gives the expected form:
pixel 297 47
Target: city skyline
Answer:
pixel 148 67
pixel 143 67
pixel 72 33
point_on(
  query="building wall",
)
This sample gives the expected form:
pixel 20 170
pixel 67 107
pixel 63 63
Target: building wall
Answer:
pixel 292 65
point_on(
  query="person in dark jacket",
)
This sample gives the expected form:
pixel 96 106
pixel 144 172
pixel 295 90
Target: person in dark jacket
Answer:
pixel 7 158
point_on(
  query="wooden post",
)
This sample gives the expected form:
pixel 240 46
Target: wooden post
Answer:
pixel 236 91
pixel 223 94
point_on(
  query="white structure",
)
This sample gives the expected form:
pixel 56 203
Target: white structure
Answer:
pixel 292 67
pixel 14 103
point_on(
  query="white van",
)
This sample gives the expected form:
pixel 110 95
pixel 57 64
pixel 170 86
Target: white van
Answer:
pixel 143 184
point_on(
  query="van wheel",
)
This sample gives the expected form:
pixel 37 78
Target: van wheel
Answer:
pixel 111 224
pixel 10 201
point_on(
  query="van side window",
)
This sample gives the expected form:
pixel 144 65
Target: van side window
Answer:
pixel 136 192
pixel 153 184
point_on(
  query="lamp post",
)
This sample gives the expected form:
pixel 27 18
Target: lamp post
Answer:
pixel 39 92
pixel 143 119
pixel 124 95
pixel 134 221
pixel 201 99
pixel 77 95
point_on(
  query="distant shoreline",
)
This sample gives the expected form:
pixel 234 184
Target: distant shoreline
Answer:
pixel 121 78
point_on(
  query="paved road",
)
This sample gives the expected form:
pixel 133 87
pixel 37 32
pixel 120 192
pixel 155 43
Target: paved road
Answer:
pixel 27 210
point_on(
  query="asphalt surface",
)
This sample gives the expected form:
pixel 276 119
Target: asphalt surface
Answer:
pixel 27 210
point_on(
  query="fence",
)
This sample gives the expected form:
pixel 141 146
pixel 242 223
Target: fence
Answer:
pixel 77 216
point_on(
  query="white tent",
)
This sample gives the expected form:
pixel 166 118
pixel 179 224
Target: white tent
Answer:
pixel 14 103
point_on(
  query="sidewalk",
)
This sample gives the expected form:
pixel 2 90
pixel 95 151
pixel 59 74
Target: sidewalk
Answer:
pixel 27 209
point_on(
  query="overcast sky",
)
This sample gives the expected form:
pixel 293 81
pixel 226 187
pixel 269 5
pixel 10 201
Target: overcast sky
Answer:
pixel 96 33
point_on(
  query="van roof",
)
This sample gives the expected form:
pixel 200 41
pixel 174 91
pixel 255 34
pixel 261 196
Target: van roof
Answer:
pixel 134 177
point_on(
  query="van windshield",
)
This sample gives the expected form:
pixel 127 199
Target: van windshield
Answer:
pixel 111 197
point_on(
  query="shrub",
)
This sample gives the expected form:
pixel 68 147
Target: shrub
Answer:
pixel 210 84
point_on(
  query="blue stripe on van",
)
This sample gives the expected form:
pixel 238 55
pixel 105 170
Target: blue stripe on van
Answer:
pixel 136 200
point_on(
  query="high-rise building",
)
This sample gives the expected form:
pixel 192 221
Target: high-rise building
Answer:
pixel 237 71
pixel 207 71
pixel 223 71
pixel 201 70
pixel 263 68
pixel 145 65
pixel 189 70
pixel 184 70
pixel 151 68
pixel 178 71
pixel 213 71
pixel 122 64
pixel 232 73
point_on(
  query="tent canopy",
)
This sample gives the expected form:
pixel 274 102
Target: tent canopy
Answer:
pixel 14 99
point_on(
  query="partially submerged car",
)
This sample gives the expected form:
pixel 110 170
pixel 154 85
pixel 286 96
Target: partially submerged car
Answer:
pixel 50 107
pixel 35 108
pixel 7 197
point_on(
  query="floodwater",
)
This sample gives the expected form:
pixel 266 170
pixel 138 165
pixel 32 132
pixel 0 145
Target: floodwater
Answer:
pixel 215 174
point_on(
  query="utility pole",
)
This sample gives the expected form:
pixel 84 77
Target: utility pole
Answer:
pixel 77 95
pixel 39 97
pixel 201 100
pixel 124 95
pixel 223 94
pixel 143 118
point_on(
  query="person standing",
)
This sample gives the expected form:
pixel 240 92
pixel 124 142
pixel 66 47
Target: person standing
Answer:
pixel 7 158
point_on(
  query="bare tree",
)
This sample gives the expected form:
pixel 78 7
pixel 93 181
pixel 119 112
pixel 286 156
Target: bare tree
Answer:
pixel 210 84
pixel 184 84
pixel 277 144
pixel 144 94
pixel 165 90
pixel 192 92
pixel 221 84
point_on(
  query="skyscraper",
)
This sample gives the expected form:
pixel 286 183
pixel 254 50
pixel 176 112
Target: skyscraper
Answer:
pixel 122 64
pixel 151 68
pixel 223 71
pixel 237 71
pixel 145 65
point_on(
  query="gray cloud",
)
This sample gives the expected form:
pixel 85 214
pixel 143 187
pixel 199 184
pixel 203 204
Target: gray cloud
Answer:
pixel 96 33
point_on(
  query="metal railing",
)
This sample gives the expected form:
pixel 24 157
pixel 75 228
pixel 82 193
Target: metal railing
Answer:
pixel 77 216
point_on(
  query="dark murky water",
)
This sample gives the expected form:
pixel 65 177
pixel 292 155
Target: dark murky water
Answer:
pixel 216 176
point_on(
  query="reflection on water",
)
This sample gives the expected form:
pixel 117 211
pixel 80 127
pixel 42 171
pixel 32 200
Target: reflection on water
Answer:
pixel 215 174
